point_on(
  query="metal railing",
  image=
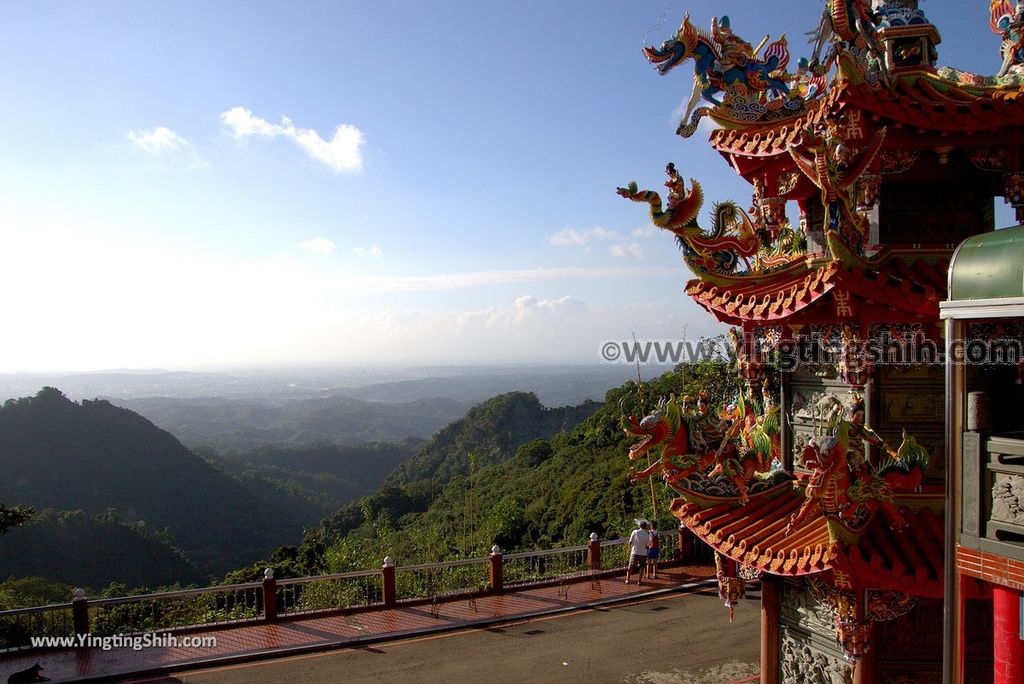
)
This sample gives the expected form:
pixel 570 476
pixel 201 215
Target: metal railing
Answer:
pixel 434 580
pixel 329 592
pixel 541 566
pixel 166 610
pixel 234 603
pixel 18 626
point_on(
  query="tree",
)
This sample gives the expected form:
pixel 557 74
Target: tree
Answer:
pixel 14 516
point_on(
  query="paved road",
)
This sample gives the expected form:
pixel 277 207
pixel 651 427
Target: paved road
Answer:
pixel 674 639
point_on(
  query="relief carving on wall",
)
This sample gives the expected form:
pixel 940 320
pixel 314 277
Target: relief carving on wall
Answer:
pixel 799 609
pixel 801 664
pixel 1008 499
pixel 816 408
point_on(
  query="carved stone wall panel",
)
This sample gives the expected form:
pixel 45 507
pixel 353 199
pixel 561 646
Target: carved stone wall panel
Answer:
pixel 799 609
pixel 808 648
pixel 802 660
pixel 1008 499
pixel 907 407
pixel 812 393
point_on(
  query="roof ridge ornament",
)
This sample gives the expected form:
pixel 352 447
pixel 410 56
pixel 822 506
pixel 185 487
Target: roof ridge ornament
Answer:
pixel 733 237
pixel 730 74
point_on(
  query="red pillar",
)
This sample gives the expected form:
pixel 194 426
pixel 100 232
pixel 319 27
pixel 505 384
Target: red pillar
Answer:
pixel 684 544
pixel 80 612
pixel 269 595
pixel 388 582
pixel 864 669
pixel 1007 645
pixel 497 569
pixel 771 592
pixel 960 659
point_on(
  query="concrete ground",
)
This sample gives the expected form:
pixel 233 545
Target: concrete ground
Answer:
pixel 670 639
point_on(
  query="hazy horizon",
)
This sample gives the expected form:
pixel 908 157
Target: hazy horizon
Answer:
pixel 555 384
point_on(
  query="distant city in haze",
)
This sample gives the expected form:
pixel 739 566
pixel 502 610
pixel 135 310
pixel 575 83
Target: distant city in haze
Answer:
pixel 554 385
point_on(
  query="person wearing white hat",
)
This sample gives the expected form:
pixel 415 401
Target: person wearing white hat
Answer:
pixel 639 541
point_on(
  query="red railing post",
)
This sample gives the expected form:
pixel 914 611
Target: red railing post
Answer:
pixel 594 552
pixel 497 569
pixel 80 612
pixel 388 581
pixel 269 595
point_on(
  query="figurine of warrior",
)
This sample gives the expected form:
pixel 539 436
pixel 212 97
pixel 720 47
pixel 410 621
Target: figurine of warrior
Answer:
pixel 736 52
pixel 1008 22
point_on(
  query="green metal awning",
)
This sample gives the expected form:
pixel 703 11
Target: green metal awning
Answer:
pixel 988 266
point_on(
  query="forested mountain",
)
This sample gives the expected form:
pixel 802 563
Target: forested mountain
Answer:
pixel 555 490
pixel 91 551
pixel 510 472
pixel 313 481
pixel 93 457
pixel 491 431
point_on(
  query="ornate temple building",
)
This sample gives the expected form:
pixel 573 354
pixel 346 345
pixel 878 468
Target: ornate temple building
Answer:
pixel 868 475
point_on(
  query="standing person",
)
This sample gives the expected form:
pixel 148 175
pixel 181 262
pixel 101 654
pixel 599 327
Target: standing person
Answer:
pixel 653 551
pixel 639 541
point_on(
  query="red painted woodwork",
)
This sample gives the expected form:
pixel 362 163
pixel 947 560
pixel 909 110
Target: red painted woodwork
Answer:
pixel 1008 647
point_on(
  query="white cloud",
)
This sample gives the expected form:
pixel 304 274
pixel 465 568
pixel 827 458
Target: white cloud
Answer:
pixel 319 244
pixel 342 152
pixel 621 246
pixel 627 249
pixel 372 251
pixel 161 140
pixel 645 232
pixel 571 237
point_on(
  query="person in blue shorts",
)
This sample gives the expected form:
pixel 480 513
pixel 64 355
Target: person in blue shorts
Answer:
pixel 653 551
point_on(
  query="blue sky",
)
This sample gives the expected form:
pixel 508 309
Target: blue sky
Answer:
pixel 197 185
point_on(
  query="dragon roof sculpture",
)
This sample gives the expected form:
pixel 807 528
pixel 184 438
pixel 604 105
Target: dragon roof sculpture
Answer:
pixel 730 74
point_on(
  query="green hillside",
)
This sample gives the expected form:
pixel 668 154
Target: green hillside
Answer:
pixel 492 431
pixel 312 481
pixel 92 551
pixel 93 456
pixel 475 484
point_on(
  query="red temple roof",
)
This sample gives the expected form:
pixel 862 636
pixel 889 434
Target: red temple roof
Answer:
pixel 894 291
pixel 921 102
pixel 909 560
